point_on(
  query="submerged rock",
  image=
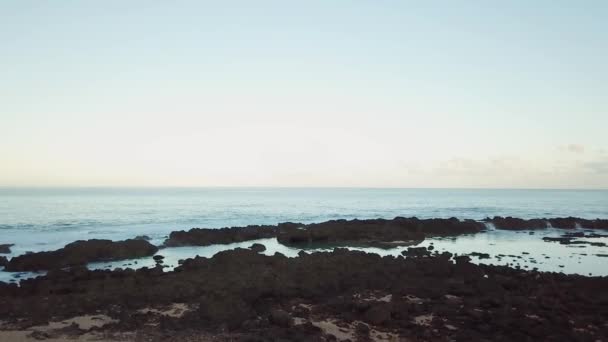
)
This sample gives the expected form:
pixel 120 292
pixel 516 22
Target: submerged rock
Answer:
pixel 81 253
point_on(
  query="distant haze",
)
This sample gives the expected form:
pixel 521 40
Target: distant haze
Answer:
pixel 304 93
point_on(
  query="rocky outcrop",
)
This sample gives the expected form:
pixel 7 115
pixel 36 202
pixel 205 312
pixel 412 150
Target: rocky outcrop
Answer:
pixel 80 253
pixel 3 261
pixel 209 236
pixel 514 223
pixel 6 248
pixel 373 231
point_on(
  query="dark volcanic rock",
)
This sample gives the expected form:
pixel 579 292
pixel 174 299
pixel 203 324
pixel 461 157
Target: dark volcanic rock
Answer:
pixel 3 261
pixel 416 252
pixel 158 259
pixel 370 231
pixel 281 318
pixel 514 223
pixel 80 253
pixel 206 236
pixel 332 232
pixel 6 248
pixel 240 291
pixel 571 241
pixel 257 247
pixel 142 237
pixel 483 255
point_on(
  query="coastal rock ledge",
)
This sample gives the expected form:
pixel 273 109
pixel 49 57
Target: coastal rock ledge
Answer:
pixel 373 231
pixel 80 253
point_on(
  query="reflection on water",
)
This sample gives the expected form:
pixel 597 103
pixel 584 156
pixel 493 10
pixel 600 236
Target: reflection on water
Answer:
pixel 525 249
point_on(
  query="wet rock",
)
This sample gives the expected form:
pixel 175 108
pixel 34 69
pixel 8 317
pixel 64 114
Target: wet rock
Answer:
pixel 80 253
pixel 257 247
pixel 158 259
pixel 480 255
pixel 6 248
pixel 416 252
pixel 3 261
pixel 142 237
pixel 514 223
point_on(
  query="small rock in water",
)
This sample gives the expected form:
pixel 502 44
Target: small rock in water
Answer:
pixel 143 237
pixel 158 258
pixel 257 247
pixel 480 255
pixel 6 248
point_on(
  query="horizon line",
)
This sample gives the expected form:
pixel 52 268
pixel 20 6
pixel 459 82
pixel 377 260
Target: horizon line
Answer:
pixel 282 187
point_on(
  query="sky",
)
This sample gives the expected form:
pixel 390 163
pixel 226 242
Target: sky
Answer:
pixel 465 94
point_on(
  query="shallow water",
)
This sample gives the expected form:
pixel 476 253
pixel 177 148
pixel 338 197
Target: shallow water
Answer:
pixel 521 249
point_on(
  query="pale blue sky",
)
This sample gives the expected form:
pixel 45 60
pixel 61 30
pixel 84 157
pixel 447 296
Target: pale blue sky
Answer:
pixel 308 93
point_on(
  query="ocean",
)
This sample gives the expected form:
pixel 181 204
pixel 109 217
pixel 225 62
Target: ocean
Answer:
pixel 36 219
pixel 48 218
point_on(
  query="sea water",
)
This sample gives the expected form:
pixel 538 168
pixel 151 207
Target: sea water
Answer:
pixel 37 219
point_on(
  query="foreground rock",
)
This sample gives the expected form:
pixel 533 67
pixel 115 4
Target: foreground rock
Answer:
pixel 81 253
pixel 241 295
pixel 514 223
pixel 380 232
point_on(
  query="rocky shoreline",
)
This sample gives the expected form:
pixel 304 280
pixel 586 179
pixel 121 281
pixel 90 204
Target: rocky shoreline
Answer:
pixel 242 295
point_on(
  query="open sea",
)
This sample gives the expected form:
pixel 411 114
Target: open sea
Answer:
pixel 37 219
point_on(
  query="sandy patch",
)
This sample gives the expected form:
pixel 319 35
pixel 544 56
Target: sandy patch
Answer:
pixel 424 320
pixel 330 327
pixel 24 336
pixel 374 298
pixel 55 331
pixel 175 310
pixel 413 299
pixel 347 331
pixel 83 322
